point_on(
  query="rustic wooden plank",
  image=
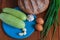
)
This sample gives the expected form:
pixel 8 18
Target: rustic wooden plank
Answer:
pixel 59 26
pixel 9 3
pixel 35 35
pixel 0 5
pixel 59 32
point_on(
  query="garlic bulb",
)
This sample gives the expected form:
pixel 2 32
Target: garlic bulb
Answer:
pixel 30 18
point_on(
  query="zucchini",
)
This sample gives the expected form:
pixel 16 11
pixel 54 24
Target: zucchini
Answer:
pixel 16 13
pixel 12 20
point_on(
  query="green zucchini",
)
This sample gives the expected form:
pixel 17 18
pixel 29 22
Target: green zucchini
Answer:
pixel 12 20
pixel 16 13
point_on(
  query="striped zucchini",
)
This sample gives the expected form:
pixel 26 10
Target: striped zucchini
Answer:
pixel 16 13
pixel 12 20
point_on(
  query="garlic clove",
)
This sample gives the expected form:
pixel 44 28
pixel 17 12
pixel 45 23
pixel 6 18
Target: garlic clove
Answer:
pixel 30 18
pixel 21 34
pixel 25 33
pixel 24 29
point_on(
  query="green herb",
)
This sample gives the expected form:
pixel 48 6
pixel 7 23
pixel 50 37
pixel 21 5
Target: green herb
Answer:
pixel 51 17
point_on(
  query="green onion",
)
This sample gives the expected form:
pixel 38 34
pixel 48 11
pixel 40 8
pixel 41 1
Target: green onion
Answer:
pixel 47 21
pixel 50 18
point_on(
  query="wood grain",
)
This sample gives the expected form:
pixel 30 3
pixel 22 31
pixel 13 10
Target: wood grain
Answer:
pixel 36 34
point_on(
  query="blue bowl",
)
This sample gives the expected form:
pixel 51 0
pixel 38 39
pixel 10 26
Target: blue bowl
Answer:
pixel 13 32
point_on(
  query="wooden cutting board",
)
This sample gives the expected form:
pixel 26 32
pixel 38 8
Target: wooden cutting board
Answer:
pixel 36 34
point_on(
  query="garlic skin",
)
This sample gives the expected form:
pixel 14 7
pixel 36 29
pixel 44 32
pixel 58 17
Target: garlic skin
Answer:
pixel 21 34
pixel 30 18
pixel 24 29
pixel 25 33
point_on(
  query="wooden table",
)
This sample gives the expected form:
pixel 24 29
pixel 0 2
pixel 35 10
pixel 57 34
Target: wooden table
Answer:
pixel 35 35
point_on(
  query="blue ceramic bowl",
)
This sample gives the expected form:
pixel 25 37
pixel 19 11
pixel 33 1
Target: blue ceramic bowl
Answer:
pixel 13 32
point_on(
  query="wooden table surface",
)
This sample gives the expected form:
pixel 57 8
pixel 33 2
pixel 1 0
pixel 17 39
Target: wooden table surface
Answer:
pixel 35 35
